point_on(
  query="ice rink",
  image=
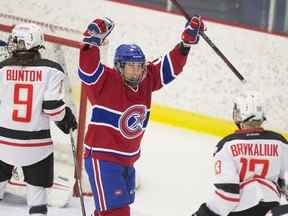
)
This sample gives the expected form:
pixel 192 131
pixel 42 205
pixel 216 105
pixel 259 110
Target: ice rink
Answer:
pixel 175 170
pixel 176 167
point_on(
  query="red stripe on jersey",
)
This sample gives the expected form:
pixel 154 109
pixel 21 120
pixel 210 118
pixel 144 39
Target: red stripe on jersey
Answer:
pixel 26 145
pixel 99 186
pixel 249 130
pixel 17 184
pixel 53 114
pixel 55 185
pixel 261 182
pixel 231 199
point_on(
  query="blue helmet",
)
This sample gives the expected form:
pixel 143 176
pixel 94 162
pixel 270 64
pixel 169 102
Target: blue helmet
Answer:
pixel 128 53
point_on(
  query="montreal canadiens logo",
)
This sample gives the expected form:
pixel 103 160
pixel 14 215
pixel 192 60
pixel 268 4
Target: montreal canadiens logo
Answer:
pixel 132 120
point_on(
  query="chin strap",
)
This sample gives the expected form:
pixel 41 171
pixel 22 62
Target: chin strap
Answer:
pixel 131 83
pixel 240 124
pixel 249 118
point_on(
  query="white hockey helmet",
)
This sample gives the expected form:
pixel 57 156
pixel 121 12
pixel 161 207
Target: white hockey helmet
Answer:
pixel 25 36
pixel 248 107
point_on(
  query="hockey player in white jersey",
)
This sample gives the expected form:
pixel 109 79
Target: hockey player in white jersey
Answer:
pixel 250 165
pixel 31 94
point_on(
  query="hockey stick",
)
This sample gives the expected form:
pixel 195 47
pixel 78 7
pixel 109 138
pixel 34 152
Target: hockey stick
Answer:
pixel 69 101
pixel 211 44
pixel 77 172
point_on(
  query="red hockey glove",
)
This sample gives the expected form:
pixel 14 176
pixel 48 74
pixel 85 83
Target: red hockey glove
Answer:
pixel 97 31
pixel 192 29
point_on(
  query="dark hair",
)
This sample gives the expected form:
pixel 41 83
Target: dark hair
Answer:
pixel 25 58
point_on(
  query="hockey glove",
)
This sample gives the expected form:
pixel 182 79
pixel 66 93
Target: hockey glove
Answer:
pixel 68 122
pixel 281 210
pixel 192 29
pixel 204 211
pixel 97 31
pixel 283 188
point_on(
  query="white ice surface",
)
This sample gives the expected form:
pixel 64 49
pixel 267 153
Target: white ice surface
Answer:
pixel 175 170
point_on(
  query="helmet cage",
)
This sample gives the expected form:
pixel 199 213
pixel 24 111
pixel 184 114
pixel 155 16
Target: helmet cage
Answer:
pixel 248 108
pixel 133 82
pixel 25 37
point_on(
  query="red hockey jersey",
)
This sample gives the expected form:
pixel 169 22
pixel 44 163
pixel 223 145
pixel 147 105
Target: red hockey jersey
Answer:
pixel 119 113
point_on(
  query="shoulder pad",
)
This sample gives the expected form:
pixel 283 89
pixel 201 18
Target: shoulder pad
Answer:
pixel 49 63
pixel 226 139
pixel 275 136
pixel 39 63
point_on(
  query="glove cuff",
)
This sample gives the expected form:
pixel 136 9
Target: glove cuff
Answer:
pixel 205 211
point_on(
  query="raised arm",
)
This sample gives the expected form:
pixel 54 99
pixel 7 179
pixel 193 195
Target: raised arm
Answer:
pixel 165 69
pixel 90 68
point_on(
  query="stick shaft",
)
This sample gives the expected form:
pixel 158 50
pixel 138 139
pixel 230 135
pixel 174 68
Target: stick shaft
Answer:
pixel 211 44
pixel 77 172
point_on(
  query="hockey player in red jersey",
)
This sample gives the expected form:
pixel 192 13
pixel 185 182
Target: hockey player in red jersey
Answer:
pixel 31 93
pixel 121 100
pixel 250 165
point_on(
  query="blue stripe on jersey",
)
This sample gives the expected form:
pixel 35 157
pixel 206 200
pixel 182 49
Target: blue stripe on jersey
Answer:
pixel 105 116
pixel 167 71
pixel 100 115
pixel 91 78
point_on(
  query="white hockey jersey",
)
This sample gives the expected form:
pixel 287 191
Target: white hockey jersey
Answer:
pixel 29 97
pixel 248 166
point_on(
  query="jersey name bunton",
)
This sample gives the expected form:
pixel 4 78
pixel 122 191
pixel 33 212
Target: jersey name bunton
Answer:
pixel 24 75
pixel 254 149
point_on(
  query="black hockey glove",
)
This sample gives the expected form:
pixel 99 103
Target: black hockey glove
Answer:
pixel 68 122
pixel 204 211
pixel 281 210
